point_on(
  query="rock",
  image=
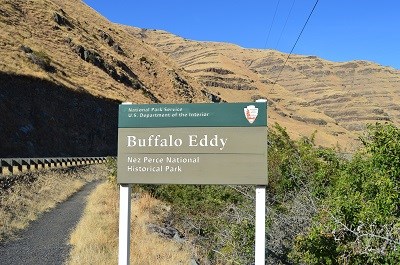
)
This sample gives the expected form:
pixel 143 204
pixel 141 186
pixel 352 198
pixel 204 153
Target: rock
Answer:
pixel 219 71
pixel 125 80
pixel 62 11
pixel 26 128
pixel 212 97
pixel 107 38
pixel 93 58
pixel 128 78
pixel 193 262
pixel 178 238
pixel 86 55
pixel 26 49
pixel 110 42
pixel 110 70
pixel 183 88
pixel 118 49
pixel 80 51
pixel 127 70
pixel 168 232
pixel 61 20
pixel 230 84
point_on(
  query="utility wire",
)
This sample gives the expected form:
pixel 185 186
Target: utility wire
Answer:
pixel 301 32
pixel 272 23
pixel 284 26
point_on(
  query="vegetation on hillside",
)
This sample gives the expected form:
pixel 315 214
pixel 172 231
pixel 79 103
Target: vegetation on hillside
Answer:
pixel 358 220
pixel 322 208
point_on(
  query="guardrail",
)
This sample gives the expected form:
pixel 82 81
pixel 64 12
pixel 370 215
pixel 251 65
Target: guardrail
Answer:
pixel 13 166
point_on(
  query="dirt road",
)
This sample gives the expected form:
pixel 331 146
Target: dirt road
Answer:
pixel 45 241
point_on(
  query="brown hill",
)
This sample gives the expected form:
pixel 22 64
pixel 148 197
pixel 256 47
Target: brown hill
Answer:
pixel 64 68
pixel 337 99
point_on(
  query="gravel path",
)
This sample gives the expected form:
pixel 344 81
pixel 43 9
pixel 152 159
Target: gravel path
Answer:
pixel 45 241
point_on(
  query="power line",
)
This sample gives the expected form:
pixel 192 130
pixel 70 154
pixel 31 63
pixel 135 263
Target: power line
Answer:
pixel 273 20
pixel 301 32
pixel 284 26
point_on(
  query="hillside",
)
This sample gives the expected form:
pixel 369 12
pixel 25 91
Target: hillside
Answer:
pixel 337 99
pixel 64 69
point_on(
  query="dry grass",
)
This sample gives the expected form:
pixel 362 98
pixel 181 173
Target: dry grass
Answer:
pixel 311 94
pixel 31 23
pixel 33 194
pixel 95 240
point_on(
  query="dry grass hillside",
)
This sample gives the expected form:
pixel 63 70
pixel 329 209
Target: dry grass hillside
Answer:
pixel 87 52
pixel 337 99
pixel 64 69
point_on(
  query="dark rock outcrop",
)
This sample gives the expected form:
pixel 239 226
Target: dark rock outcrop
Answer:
pixel 183 88
pixel 125 75
pixel 212 97
pixel 62 20
pixel 26 49
pixel 219 71
pixel 110 42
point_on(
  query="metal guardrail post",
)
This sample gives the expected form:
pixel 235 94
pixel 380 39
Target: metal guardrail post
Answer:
pixel 47 163
pixel 24 165
pixel 16 166
pixel 13 166
pixel 32 164
pixel 40 164
pixel 6 167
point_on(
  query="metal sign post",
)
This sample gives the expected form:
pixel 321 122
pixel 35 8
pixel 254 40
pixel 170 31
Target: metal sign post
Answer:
pixel 260 219
pixel 124 224
pixel 260 226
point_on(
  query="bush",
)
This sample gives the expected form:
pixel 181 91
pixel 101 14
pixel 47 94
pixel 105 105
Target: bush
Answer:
pixel 111 164
pixel 322 209
pixel 299 175
pixel 292 165
pixel 219 218
pixel 360 220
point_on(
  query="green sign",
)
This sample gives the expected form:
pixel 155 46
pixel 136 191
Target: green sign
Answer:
pixel 193 143
pixel 190 115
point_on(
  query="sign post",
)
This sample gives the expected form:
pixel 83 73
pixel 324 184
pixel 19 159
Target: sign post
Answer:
pixel 194 144
pixel 260 219
pixel 260 226
pixel 124 224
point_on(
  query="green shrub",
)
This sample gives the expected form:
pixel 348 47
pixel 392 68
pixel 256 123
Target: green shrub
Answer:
pixel 111 164
pixel 295 164
pixel 360 219
pixel 353 206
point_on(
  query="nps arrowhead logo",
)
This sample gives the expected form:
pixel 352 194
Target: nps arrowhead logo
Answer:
pixel 251 113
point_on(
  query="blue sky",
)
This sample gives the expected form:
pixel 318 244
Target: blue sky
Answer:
pixel 338 30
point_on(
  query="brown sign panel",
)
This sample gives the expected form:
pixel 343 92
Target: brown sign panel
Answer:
pixel 234 155
pixel 194 155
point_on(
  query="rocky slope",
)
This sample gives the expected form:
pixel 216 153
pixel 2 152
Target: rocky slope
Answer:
pixel 337 99
pixel 64 69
